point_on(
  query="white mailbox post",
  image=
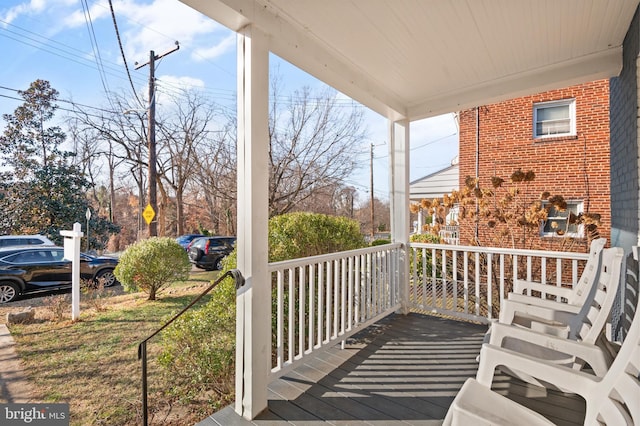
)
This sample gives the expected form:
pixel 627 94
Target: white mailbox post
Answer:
pixel 72 241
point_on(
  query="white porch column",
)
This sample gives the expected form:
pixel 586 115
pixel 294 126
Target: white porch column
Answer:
pixel 253 318
pixel 399 198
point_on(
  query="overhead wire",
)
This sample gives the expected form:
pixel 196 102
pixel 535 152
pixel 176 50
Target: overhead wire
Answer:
pixel 228 95
pixel 106 68
pixel 96 49
pixel 124 58
pixel 67 101
pixel 53 47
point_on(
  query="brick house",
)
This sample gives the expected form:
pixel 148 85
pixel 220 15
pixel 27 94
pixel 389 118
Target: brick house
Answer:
pixel 563 137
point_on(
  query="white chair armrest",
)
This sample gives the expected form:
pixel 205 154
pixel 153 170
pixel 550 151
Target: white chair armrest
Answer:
pixel 478 405
pixel 498 332
pixel 551 304
pixel 521 285
pixel 567 379
pixel 538 313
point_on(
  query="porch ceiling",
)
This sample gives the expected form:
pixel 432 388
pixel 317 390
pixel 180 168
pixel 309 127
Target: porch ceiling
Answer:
pixel 419 58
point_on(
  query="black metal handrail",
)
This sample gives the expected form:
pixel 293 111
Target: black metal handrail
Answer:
pixel 142 347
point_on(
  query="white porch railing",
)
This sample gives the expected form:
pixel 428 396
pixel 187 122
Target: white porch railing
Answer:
pixel 469 282
pixel 320 301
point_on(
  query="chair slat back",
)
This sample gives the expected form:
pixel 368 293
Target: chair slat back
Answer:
pixel 590 273
pixel 621 384
pixel 592 318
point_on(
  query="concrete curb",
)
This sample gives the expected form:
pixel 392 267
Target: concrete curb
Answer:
pixel 14 386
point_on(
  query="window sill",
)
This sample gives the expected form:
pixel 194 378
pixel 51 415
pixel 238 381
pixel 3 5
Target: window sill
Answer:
pixel 554 139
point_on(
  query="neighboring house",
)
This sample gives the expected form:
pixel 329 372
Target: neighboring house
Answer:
pixel 562 136
pixel 435 185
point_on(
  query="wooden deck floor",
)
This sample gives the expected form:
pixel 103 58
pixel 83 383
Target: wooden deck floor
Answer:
pixel 405 370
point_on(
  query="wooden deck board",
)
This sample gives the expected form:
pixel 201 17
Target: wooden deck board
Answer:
pixel 404 370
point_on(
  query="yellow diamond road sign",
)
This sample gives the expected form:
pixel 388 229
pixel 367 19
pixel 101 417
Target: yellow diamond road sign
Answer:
pixel 148 214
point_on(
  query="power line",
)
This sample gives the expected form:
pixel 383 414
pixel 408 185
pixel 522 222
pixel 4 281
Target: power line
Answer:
pixel 433 141
pixel 55 48
pixel 124 59
pixel 94 45
pixel 114 70
pixel 172 38
pixel 67 101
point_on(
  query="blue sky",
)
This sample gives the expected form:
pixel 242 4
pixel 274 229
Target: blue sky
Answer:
pixel 73 44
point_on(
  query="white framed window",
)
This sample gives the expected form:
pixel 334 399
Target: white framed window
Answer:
pixel 557 223
pixel 553 119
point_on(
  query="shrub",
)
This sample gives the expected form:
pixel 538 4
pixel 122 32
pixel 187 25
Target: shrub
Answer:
pixel 300 234
pixel 199 351
pixel 151 265
pixel 380 242
pixel 423 263
pixel 425 238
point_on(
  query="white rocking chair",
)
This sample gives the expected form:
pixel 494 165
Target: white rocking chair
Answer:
pixel 569 300
pixel 613 399
pixel 577 343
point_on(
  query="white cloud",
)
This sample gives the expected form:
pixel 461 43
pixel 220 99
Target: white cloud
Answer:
pixel 206 53
pixel 159 24
pixel 143 25
pixel 32 7
pixel 174 82
pixel 78 17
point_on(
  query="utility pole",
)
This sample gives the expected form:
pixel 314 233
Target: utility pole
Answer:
pixel 373 229
pixel 151 116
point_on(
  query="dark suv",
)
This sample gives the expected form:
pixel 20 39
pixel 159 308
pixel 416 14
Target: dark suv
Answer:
pixel 208 252
pixel 29 269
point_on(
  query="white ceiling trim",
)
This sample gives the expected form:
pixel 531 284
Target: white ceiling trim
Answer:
pixel 596 66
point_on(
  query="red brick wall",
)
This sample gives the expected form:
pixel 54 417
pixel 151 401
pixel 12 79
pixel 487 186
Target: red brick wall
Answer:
pixel 576 167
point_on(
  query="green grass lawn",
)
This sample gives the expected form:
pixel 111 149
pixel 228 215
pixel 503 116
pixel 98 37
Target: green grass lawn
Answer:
pixel 93 365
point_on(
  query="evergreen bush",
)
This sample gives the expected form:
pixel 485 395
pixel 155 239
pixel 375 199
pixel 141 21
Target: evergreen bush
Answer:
pixel 150 265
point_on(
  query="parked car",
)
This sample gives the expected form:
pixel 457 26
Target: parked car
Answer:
pixel 29 269
pixel 185 240
pixel 24 240
pixel 208 252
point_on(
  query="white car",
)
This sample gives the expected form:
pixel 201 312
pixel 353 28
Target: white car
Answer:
pixel 24 240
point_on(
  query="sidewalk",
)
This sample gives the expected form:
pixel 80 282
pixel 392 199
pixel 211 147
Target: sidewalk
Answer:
pixel 14 386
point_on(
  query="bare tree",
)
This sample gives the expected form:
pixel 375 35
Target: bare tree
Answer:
pixel 217 179
pixel 185 130
pixel 313 138
pixel 382 219
pixel 335 199
pixel 118 137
